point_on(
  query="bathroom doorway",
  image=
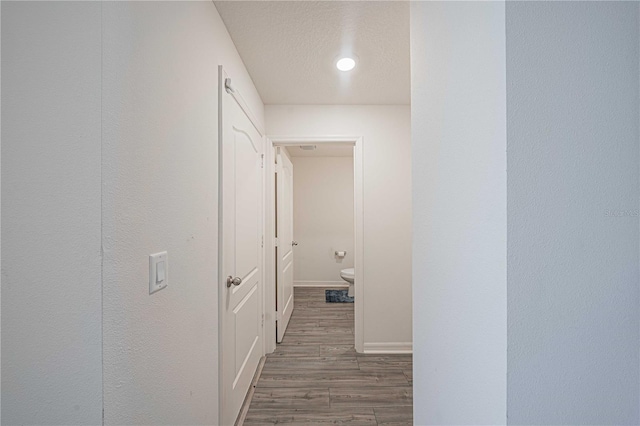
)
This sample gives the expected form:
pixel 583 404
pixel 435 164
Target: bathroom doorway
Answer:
pixel 316 253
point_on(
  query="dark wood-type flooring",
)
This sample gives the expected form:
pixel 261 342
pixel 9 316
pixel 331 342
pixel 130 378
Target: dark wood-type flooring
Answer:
pixel 316 377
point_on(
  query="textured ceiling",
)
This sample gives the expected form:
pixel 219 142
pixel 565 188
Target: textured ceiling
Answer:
pixel 290 49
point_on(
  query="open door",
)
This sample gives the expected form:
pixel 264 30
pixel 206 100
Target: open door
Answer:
pixel 285 243
pixel 241 251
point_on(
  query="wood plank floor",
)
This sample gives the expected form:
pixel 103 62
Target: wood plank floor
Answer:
pixel 315 375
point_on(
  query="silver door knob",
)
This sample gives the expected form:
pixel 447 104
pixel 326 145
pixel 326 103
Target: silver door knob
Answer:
pixel 234 281
pixel 294 243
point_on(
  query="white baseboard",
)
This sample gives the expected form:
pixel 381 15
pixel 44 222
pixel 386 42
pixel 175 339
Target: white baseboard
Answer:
pixel 320 284
pixel 388 348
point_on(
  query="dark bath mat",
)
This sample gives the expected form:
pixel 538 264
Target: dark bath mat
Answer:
pixel 338 296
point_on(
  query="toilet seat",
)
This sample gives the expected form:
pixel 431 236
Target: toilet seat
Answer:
pixel 348 274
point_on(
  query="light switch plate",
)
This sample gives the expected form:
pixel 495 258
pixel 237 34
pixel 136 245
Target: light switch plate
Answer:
pixel 157 279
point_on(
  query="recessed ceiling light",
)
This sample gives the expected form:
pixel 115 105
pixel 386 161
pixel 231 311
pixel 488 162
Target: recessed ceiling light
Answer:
pixel 345 64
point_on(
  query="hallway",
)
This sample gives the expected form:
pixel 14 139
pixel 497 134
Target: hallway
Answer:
pixel 315 375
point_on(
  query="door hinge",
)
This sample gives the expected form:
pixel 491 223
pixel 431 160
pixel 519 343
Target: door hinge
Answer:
pixel 262 320
pixel 276 242
pixel 262 161
pixel 262 243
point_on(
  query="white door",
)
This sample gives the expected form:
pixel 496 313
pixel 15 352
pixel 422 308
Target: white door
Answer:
pixel 240 254
pixel 284 235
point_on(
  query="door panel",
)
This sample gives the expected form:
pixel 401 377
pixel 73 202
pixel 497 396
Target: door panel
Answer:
pixel 284 265
pixel 246 330
pixel 247 202
pixel 240 253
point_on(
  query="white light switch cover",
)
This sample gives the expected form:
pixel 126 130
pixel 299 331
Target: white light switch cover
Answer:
pixel 158 271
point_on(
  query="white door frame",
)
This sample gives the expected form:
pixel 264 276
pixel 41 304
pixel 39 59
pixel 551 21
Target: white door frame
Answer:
pixel 270 255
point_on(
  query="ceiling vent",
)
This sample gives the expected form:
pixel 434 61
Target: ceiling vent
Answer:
pixel 307 147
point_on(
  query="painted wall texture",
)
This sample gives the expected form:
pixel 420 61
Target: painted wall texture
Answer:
pixel 459 205
pixel 386 132
pixel 573 170
pixel 51 265
pixel 323 220
pixel 572 232
pixel 160 178
pixel 110 115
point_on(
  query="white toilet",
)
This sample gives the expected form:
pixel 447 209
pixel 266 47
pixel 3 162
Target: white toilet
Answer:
pixel 349 276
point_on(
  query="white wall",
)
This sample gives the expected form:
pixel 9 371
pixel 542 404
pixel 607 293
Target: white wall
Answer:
pixel 160 113
pixel 51 285
pixel 572 236
pixel 459 209
pixel 110 142
pixel 323 221
pixel 573 108
pixel 387 203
